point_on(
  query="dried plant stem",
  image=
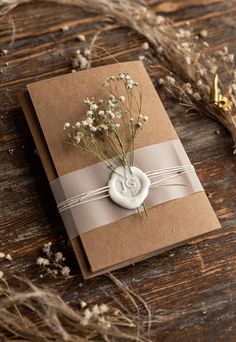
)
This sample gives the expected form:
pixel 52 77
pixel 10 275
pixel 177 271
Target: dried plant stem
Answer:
pixel 35 314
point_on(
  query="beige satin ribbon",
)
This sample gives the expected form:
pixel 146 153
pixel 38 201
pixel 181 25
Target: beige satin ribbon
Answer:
pixel 95 213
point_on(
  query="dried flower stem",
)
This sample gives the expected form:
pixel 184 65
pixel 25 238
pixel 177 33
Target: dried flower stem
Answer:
pixel 35 314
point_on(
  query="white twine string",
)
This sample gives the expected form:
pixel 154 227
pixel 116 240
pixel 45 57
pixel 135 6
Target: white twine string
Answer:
pixel 94 195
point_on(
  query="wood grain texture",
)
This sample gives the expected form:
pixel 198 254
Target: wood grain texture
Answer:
pixel 192 289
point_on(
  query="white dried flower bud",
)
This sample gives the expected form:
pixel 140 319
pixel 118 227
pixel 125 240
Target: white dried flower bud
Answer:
pixel 161 81
pixel 145 118
pixel 83 62
pixel 117 125
pixel 81 37
pixel 101 113
pixel 42 261
pixel 145 46
pixel 89 113
pixel 8 257
pixel 121 98
pixel 183 33
pixel 84 123
pixel 197 96
pixel 203 33
pixel 2 255
pixel 139 124
pixel 188 60
pixel 83 304
pixel 170 80
pixel 112 104
pixel 47 248
pixel 121 76
pixel 67 125
pixel 96 310
pixel 205 44
pixel 141 58
pixel 127 76
pixel 4 52
pixel 103 308
pixel 78 124
pixel 88 314
pixel 225 49
pixel 93 106
pixel 78 137
pixel 89 120
pixel 202 72
pixel 93 129
pixel 231 58
pixel 87 52
pixel 58 257
pixel 112 97
pixel 160 19
pixel 65 271
pixel 65 28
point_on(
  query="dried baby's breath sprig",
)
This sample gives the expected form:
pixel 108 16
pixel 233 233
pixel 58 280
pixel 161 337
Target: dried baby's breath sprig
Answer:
pixel 30 313
pixel 81 60
pixel 53 262
pixel 196 86
pixel 4 256
pixel 111 125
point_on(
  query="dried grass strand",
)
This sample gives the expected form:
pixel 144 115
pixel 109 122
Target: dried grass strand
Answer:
pixel 40 314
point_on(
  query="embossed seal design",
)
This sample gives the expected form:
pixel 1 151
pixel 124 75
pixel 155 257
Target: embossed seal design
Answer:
pixel 128 187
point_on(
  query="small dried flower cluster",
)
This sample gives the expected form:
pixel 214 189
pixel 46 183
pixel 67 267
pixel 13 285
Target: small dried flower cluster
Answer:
pixel 53 262
pixel 3 52
pixel 81 59
pixel 192 72
pixel 104 316
pixel 95 314
pixel 111 125
pixel 60 321
pixel 5 256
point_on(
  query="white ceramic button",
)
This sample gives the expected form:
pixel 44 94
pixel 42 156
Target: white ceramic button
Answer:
pixel 128 188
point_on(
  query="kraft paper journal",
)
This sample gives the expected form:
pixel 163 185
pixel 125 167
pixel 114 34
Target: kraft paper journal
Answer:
pixel 113 243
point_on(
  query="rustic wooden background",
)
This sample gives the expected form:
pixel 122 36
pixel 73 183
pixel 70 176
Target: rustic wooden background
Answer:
pixel 191 290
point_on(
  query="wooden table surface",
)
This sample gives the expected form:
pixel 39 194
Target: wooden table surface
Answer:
pixel 191 290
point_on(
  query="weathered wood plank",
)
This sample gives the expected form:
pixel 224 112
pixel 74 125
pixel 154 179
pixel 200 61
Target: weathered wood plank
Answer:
pixel 191 290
